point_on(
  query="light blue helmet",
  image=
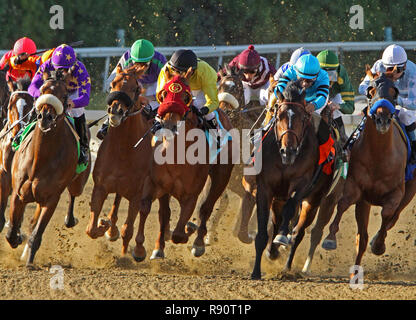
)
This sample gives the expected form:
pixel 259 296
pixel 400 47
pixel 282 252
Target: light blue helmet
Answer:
pixel 297 54
pixel 307 66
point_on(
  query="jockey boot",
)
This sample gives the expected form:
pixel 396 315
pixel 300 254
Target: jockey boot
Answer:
pixel 411 132
pixel 82 130
pixel 103 131
pixel 341 129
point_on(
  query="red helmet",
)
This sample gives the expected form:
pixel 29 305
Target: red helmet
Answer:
pixel 24 45
pixel 249 59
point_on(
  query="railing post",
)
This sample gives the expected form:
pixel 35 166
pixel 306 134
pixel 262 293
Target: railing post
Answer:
pixel 106 70
pixel 278 60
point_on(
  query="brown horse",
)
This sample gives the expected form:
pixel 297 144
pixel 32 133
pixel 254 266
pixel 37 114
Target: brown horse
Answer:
pixel 184 179
pixel 231 97
pixel 4 98
pixel 290 176
pixel 19 113
pixel 44 166
pixel 120 168
pixel 375 180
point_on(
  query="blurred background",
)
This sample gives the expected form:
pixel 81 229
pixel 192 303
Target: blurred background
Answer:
pixel 208 23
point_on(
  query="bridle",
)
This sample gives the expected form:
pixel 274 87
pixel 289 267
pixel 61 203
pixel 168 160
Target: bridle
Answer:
pixel 306 119
pixel 239 101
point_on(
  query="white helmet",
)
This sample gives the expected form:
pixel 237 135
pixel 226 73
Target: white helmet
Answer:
pixel 394 55
pixel 297 54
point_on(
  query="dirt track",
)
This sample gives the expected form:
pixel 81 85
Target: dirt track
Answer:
pixel 93 269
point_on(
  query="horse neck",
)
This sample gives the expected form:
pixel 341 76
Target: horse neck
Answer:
pixel 375 141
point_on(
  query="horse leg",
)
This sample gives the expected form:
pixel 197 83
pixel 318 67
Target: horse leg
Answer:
pixel 306 218
pixel 17 208
pixel 324 215
pixel 70 220
pixel 410 190
pixel 246 210
pixel 33 223
pixel 362 213
pixel 378 246
pixel 35 239
pixel 220 176
pixel 113 234
pixel 215 219
pixel 164 233
pixel 352 194
pixel 5 185
pixel 128 227
pixel 179 234
pixel 273 248
pixel 263 200
pixel 95 229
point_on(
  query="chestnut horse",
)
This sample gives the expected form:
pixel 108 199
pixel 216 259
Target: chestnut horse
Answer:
pixel 290 176
pixel 231 97
pixel 19 108
pixel 184 180
pixel 120 168
pixel 375 180
pixel 44 166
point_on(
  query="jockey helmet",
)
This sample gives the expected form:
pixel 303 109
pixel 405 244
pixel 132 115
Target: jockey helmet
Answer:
pixel 297 54
pixel 307 66
pixel 142 51
pixel 328 60
pixel 249 59
pixel 394 55
pixel 63 57
pixel 183 59
pixel 24 45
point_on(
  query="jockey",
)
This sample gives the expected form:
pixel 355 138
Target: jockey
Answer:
pixel 202 82
pixel 405 81
pixel 293 58
pixel 79 87
pixel 21 61
pixel 256 73
pixel 141 52
pixel 341 93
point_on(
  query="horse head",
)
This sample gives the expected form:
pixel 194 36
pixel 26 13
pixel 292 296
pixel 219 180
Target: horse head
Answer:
pixel 231 91
pixel 20 103
pixel 382 95
pixel 291 121
pixel 124 94
pixel 175 99
pixel 53 99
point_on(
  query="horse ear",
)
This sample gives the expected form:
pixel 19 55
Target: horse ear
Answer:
pixel 368 72
pixel 161 95
pixel 118 69
pixel 188 73
pixel 370 92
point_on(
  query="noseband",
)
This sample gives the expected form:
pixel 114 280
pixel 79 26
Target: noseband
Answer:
pixel 305 120
pixel 125 98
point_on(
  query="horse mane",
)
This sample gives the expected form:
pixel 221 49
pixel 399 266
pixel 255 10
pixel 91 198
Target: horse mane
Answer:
pixel 23 83
pixel 294 92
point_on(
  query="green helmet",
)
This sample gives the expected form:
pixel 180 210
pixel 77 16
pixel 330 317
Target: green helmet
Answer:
pixel 142 51
pixel 328 60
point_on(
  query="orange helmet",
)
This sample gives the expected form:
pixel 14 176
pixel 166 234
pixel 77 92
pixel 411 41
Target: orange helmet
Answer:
pixel 24 45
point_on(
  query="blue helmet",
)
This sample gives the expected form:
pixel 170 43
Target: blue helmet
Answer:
pixel 307 66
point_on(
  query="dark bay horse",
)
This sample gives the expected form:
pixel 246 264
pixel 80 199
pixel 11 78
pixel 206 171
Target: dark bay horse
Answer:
pixel 232 102
pixel 373 179
pixel 290 176
pixel 4 98
pixel 120 168
pixel 19 106
pixel 44 166
pixel 185 179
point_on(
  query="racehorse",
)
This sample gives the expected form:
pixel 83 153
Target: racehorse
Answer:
pixel 19 112
pixel 120 168
pixel 4 98
pixel 232 102
pixel 185 179
pixel 290 175
pixel 45 165
pixel 375 180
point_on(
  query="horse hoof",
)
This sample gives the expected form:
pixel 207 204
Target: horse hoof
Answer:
pixel 282 240
pixel 198 251
pixel 138 259
pixel 112 238
pixel 191 228
pixel 70 223
pixel 378 250
pixel 157 254
pixel 255 276
pixel 328 244
pixel 272 254
pixel 245 238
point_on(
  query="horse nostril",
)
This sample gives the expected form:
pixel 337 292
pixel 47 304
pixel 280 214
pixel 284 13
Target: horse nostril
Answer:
pixel 282 150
